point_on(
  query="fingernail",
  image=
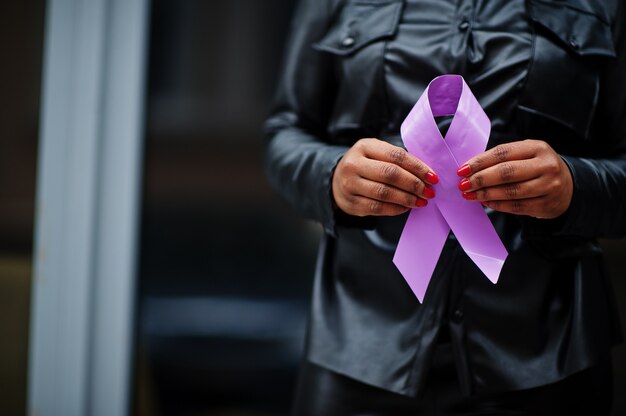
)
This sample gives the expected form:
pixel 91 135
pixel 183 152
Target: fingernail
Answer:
pixel 432 178
pixel 469 196
pixel 421 203
pixel 485 203
pixel 465 185
pixel 429 192
pixel 463 170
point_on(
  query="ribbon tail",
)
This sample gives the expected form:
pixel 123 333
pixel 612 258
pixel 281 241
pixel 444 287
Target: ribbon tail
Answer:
pixel 419 247
pixel 490 266
pixel 476 235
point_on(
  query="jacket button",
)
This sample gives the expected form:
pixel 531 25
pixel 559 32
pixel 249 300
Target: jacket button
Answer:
pixel 457 316
pixel 573 42
pixel 464 25
pixel 348 41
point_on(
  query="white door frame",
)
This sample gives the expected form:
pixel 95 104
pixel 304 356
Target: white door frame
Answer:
pixel 88 194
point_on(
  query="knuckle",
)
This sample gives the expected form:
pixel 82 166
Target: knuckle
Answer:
pixel 542 146
pixel 532 143
pixel 383 192
pixel 512 190
pixel 554 185
pixel 506 171
pixel 363 144
pixel 478 163
pixel 344 183
pixel 553 166
pixel 349 164
pixel 478 180
pixel 411 200
pixel 517 206
pixel 501 153
pixel 420 168
pixel 397 155
pixel 390 172
pixel 418 187
pixel 375 207
pixel 483 194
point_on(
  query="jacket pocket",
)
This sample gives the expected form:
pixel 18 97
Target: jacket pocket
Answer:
pixel 357 39
pixel 571 43
pixel 360 23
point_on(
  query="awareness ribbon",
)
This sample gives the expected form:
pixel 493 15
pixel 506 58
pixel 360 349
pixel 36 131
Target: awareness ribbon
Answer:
pixel 427 228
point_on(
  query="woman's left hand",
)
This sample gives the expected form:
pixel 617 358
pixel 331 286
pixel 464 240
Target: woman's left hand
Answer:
pixel 525 178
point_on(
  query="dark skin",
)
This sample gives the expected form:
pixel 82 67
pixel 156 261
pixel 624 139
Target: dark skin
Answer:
pixel 378 178
pixel 524 178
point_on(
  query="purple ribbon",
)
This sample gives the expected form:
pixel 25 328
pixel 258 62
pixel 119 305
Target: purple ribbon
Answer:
pixel 427 228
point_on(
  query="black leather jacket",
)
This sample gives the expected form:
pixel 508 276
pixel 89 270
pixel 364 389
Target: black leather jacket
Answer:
pixel 541 69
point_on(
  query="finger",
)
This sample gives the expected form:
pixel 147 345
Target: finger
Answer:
pixel 516 190
pixel 502 153
pixel 385 193
pixel 386 152
pixel 363 206
pixel 529 206
pixel 394 175
pixel 502 173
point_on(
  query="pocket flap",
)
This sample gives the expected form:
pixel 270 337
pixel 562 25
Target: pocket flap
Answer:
pixel 360 23
pixel 584 32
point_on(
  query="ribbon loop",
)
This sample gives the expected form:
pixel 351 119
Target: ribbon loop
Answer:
pixel 467 136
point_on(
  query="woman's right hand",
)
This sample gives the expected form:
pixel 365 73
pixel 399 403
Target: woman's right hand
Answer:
pixel 377 178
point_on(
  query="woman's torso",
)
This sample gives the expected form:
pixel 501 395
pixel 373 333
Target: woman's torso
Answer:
pixel 535 68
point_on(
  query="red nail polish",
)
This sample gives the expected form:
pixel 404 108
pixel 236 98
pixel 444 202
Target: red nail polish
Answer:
pixel 429 192
pixel 471 196
pixel 421 203
pixel 464 170
pixel 432 178
pixel 465 185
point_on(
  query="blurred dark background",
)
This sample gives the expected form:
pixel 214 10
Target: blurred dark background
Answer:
pixel 225 267
pixel 21 46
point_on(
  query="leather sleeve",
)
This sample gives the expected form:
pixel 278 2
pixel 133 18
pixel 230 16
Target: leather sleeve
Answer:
pixel 299 158
pixel 598 207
